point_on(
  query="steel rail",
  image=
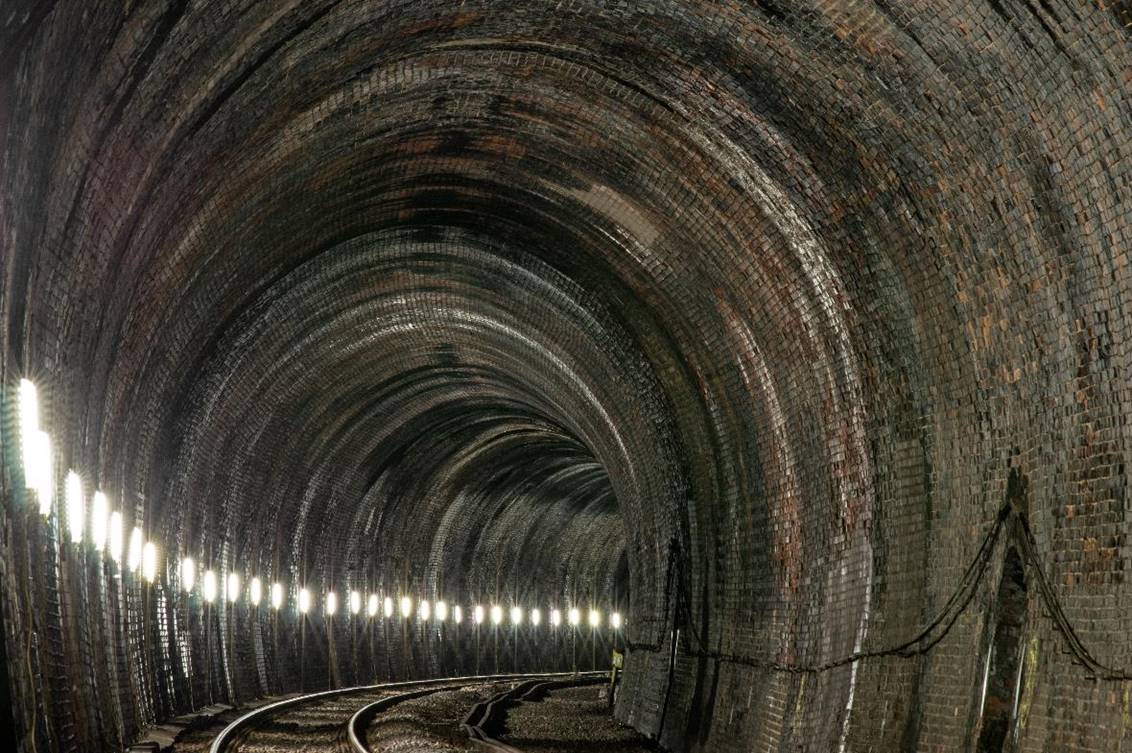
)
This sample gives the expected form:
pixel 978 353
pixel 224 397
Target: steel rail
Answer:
pixel 484 712
pixel 223 741
pixel 360 721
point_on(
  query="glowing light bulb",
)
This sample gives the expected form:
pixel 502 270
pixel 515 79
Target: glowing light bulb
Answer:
pixel 33 450
pixel 209 586
pixel 304 601
pixel 355 602
pixel 188 574
pixel 149 562
pixel 595 618
pixel 424 611
pixel 555 617
pixel 387 607
pixel 75 512
pixel 574 616
pixel 477 614
pixel 372 605
pixel 29 427
pixel 115 536
pixel 255 591
pixel 406 607
pixel 457 615
pixel 331 603
pixel 536 617
pixel 441 611
pixel 99 520
pixel 276 595
pixel 516 615
pixel 232 587
pixel 497 614
pixel 615 620
pixel 134 553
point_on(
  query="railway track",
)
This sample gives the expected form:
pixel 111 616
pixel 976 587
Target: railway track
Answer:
pixel 337 721
pixel 488 716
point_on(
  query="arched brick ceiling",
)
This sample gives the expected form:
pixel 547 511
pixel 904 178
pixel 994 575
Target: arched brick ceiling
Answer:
pixel 482 298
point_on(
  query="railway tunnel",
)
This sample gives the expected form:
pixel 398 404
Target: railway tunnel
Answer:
pixel 777 345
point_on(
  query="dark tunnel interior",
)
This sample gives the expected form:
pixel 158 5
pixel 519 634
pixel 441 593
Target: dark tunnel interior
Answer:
pixel 791 334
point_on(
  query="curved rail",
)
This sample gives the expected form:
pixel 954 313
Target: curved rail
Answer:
pixel 356 729
pixel 223 741
pixel 483 713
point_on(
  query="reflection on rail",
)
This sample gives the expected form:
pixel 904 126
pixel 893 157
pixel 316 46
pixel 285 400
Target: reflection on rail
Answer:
pixel 356 719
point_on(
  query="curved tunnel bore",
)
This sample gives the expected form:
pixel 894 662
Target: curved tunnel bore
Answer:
pixel 768 327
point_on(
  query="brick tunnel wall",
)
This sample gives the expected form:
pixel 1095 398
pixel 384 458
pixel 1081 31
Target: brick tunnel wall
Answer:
pixel 809 313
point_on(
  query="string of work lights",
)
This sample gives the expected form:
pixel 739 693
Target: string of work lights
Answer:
pixel 106 530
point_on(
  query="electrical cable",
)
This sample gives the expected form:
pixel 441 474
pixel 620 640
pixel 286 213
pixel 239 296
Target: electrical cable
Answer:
pixel 935 630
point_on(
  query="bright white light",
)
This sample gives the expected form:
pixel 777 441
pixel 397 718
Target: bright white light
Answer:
pixel 574 616
pixel 29 427
pixel 555 617
pixel 276 595
pixel 536 617
pixel 41 472
pixel 188 574
pixel 387 607
pixel 355 602
pixel 75 512
pixel 115 536
pixel 99 520
pixel 331 603
pixel 477 614
pixel 497 614
pixel 232 589
pixel 424 611
pixel 372 605
pixel 457 615
pixel 29 406
pixel 516 615
pixel 149 561
pixel 209 586
pixel 595 618
pixel 36 447
pixel 406 607
pixel 615 620
pixel 255 591
pixel 134 553
pixel 441 611
pixel 304 601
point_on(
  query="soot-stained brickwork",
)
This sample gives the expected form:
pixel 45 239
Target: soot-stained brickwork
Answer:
pixel 778 325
